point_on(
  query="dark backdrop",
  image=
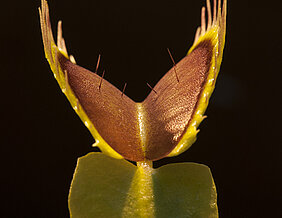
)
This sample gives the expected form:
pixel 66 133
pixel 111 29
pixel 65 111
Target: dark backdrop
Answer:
pixel 42 137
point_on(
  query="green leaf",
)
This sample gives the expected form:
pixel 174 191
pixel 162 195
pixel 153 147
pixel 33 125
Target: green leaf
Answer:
pixel 107 187
pixel 100 185
pixel 184 190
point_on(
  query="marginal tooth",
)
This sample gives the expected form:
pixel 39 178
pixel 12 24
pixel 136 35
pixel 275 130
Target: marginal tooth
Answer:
pixel 86 124
pixel 96 143
pixel 72 59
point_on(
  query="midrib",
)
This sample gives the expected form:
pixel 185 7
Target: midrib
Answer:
pixel 141 124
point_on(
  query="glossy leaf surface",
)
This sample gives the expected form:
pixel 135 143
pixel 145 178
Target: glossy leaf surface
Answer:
pixel 185 190
pixel 107 187
pixel 100 185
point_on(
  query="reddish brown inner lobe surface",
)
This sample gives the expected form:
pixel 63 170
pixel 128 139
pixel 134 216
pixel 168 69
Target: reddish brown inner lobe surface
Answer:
pixel 113 115
pixel 166 114
pixel 170 110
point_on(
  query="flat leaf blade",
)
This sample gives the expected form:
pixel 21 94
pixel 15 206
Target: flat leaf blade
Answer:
pixel 100 185
pixel 184 190
pixel 107 187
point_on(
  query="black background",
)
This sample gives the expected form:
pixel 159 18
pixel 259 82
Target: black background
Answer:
pixel 42 137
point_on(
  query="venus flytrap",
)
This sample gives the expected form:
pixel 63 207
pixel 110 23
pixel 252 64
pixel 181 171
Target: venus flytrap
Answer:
pixel 163 125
